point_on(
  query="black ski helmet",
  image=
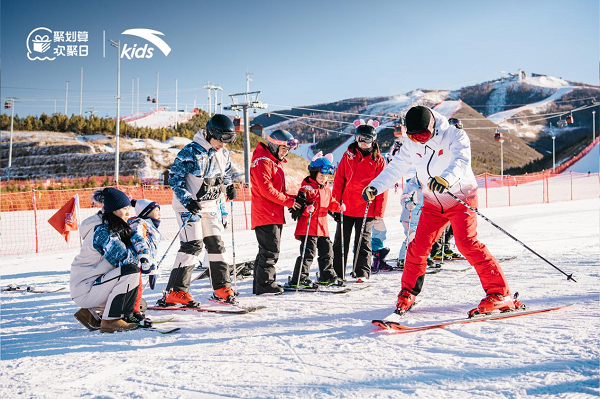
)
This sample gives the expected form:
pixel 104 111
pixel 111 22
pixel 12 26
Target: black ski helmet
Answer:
pixel 221 128
pixel 281 137
pixel 366 131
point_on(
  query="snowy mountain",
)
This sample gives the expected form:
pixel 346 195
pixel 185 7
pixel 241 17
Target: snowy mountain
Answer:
pixel 528 106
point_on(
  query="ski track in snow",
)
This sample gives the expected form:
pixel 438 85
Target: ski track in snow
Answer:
pixel 323 345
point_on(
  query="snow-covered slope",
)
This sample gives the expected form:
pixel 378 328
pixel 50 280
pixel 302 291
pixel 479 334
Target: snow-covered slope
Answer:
pixel 556 89
pixel 162 119
pixel 320 345
pixel 590 162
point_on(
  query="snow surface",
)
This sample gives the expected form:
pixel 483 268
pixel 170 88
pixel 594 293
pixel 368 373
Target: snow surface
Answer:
pixel 590 162
pixel 320 345
pixel 448 107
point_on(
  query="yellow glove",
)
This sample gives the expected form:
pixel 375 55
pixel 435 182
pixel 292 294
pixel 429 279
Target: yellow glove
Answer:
pixel 369 193
pixel 438 184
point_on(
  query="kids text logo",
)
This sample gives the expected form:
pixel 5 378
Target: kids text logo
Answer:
pixel 129 52
pixel 44 44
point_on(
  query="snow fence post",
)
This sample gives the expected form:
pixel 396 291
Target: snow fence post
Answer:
pixel 486 190
pixel 571 185
pixel 508 184
pixel 37 245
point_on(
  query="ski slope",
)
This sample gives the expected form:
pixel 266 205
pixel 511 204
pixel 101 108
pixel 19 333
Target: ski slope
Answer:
pixel 559 86
pixel 590 162
pixel 162 119
pixel 320 345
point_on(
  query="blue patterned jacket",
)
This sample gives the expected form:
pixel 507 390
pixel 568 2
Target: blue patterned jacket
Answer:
pixel 199 173
pixel 112 248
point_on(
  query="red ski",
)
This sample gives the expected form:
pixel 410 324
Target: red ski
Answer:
pixel 401 328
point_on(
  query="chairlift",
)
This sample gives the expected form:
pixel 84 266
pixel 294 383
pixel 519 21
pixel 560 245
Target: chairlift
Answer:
pixel 6 105
pixel 154 101
pixel 499 135
pixel 268 114
pixel 569 119
pixel 561 123
pixel 238 123
pixel 254 110
pixel 399 130
pixel 148 99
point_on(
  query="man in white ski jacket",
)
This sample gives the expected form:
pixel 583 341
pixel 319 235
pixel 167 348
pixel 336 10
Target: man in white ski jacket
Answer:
pixel 200 174
pixel 441 155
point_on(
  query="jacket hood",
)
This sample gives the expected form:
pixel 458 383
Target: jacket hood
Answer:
pixel 200 139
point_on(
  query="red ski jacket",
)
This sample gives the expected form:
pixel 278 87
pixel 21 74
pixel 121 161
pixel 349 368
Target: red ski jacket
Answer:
pixel 268 188
pixel 321 198
pixel 353 174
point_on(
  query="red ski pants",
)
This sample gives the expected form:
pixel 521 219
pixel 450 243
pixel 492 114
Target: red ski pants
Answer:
pixel 464 223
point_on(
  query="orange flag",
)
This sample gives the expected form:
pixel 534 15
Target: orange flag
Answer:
pixel 65 220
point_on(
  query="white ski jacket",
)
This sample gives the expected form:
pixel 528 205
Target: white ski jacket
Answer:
pixel 447 154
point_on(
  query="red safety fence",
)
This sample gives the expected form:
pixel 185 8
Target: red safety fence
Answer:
pixel 24 226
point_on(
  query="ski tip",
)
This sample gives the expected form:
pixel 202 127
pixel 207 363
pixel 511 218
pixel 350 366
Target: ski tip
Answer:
pixel 380 323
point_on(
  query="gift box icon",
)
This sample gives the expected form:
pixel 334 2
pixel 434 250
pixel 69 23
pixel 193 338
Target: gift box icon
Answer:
pixel 41 44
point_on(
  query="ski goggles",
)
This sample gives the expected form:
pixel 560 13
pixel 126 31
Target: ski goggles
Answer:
pixel 420 137
pixel 228 137
pixel 327 169
pixel 292 144
pixel 365 139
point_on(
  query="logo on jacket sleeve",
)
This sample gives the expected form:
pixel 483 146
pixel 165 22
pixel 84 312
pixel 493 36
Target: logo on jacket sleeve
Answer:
pixel 441 152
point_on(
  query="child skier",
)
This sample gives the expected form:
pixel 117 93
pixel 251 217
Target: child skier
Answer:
pixel 319 201
pixel 145 239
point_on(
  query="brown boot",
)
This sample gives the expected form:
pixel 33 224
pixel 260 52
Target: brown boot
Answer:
pixel 110 326
pixel 89 318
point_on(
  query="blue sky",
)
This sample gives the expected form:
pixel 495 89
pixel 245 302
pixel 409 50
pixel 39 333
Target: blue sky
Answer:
pixel 301 53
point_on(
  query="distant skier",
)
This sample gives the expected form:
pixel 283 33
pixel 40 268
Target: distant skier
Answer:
pixel 200 173
pixel 318 203
pixel 269 197
pixel 441 155
pixel 361 163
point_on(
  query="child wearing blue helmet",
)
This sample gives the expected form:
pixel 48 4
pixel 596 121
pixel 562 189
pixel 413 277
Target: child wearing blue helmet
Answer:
pixel 316 235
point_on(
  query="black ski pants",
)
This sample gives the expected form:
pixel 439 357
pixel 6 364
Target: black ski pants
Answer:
pixel 269 242
pixel 363 263
pixel 314 245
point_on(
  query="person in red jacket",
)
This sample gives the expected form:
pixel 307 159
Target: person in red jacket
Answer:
pixel 269 197
pixel 361 163
pixel 319 202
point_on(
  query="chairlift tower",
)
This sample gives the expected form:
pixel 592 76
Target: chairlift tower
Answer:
pixel 251 98
pixel 209 86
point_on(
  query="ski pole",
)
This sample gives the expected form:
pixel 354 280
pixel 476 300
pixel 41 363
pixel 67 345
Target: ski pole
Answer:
pixel 167 251
pixel 233 250
pixel 408 232
pixel 303 251
pixel 342 235
pixel 364 222
pixel 569 276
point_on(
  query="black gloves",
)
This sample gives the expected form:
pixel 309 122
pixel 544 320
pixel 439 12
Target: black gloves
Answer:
pixel 193 207
pixel 231 192
pixel 335 216
pixel 300 199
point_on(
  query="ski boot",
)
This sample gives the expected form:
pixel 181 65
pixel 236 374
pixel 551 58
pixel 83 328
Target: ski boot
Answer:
pixel 379 260
pixel 172 298
pixel 400 264
pixel 453 255
pixel 405 301
pixel 225 295
pixel 439 255
pixel 304 283
pixel 330 281
pixel 269 288
pixel 494 302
